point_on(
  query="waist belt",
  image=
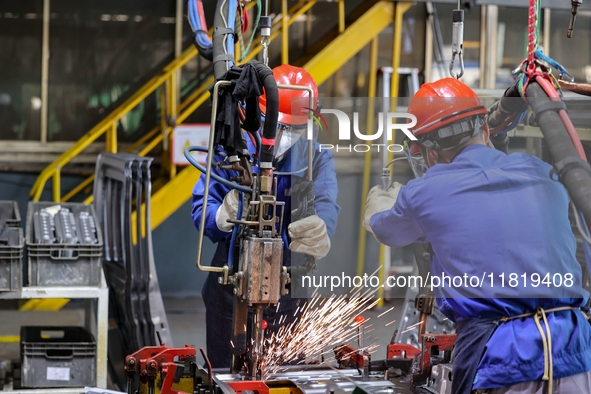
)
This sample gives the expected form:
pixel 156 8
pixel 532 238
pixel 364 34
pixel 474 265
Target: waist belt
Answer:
pixel 540 316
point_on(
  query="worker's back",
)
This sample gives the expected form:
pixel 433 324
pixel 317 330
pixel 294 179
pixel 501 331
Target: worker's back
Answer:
pixel 500 222
pixel 496 213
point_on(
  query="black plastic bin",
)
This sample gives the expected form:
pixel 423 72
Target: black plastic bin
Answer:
pixel 9 213
pixel 11 263
pixel 57 357
pixel 57 264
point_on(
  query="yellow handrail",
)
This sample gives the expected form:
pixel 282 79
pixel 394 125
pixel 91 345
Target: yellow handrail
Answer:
pixel 108 125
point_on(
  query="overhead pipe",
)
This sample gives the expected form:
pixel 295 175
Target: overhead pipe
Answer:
pixel 223 56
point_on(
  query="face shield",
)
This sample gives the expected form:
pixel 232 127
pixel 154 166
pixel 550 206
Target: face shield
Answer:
pixel 415 158
pixel 287 136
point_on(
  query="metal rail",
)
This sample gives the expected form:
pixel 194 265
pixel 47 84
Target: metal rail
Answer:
pixel 399 9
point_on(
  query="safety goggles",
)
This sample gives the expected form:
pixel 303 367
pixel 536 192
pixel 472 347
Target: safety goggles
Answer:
pixel 415 158
pixel 470 127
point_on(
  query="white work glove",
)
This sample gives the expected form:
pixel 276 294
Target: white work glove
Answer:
pixel 228 210
pixel 379 200
pixel 309 236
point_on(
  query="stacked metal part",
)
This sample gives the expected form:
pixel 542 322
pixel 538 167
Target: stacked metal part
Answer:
pixel 122 192
pixel 64 228
pixel 64 246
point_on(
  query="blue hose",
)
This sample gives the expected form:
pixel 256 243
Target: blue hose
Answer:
pixel 231 185
pixel 225 182
pixel 195 21
pixel 541 55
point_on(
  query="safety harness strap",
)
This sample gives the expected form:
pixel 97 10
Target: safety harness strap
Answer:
pixel 224 57
pixel 540 316
pixel 218 31
pixel 566 164
pixel 553 105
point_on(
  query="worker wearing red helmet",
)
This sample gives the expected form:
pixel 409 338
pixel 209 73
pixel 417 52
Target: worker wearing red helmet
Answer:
pixel 502 222
pixel 306 236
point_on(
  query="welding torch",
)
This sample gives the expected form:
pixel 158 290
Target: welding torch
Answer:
pixel 424 301
pixel 575 4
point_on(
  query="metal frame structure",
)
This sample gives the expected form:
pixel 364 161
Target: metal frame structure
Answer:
pixel 210 154
pixel 399 10
pixel 168 82
pixel 180 112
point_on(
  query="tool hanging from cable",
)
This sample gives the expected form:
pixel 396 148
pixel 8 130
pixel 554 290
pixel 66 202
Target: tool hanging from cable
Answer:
pixel 575 4
pixel 457 42
pixel 266 24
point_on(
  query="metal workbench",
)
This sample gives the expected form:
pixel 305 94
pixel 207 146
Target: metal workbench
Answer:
pixel 96 323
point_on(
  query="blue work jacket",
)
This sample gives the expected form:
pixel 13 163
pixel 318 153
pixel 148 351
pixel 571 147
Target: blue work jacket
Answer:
pixel 487 214
pixel 325 190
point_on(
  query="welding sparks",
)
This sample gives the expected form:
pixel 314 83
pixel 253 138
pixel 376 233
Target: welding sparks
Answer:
pixel 323 325
pixel 392 322
pixel 383 313
pixel 411 327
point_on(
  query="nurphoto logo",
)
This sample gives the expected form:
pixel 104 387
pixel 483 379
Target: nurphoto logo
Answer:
pixel 390 120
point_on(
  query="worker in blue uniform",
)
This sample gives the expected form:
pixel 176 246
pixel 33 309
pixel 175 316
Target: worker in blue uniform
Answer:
pixel 310 235
pixel 501 221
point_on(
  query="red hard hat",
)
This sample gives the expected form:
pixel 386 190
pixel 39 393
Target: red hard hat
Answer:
pixel 290 112
pixel 443 102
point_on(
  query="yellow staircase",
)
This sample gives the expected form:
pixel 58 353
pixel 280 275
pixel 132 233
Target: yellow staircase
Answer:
pixel 178 187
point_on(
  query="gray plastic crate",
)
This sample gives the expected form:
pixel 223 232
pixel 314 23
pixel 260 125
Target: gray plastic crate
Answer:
pixel 9 212
pixel 57 357
pixel 63 264
pixel 11 264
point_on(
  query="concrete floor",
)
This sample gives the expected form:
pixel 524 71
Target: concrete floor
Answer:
pixel 186 318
